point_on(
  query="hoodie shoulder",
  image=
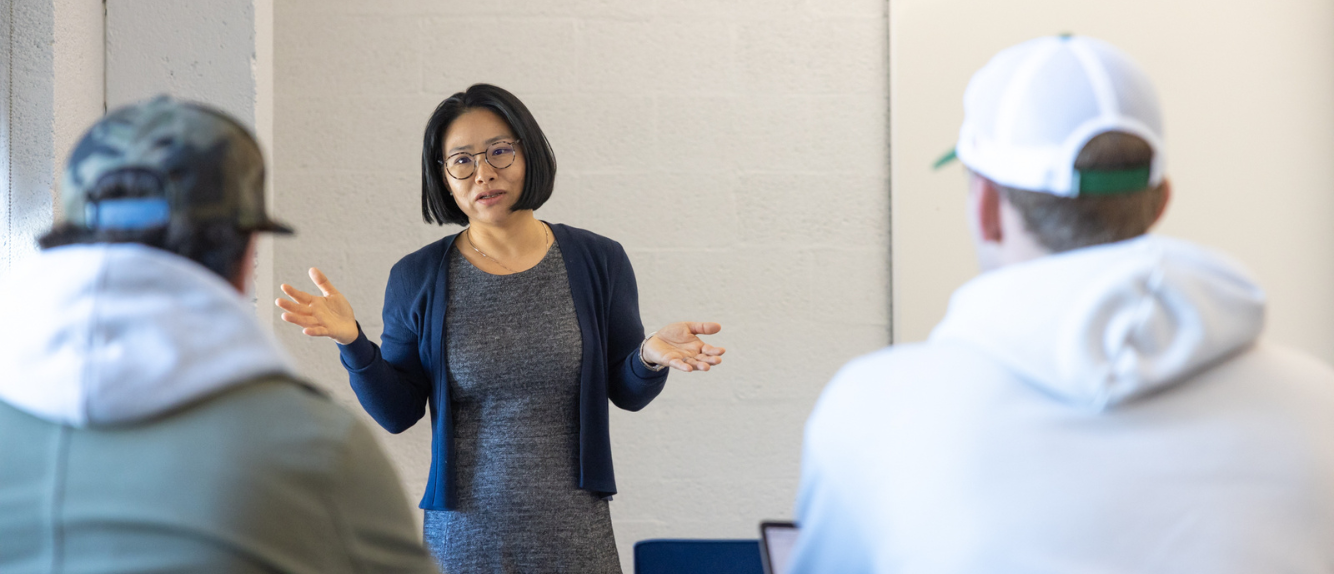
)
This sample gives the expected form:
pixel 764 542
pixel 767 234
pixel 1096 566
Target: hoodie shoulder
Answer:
pixel 898 385
pixel 295 410
pixel 1277 371
pixel 902 367
pixel 112 335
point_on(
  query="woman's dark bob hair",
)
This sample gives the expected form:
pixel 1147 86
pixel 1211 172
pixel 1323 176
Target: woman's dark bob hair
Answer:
pixel 539 177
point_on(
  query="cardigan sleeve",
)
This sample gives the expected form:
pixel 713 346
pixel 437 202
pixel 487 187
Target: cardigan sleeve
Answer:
pixel 631 384
pixel 389 379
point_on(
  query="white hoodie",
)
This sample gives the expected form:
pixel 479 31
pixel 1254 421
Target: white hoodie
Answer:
pixel 1103 410
pixel 107 334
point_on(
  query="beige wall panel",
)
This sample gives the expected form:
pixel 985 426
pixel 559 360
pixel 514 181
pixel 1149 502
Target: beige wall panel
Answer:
pixel 1246 90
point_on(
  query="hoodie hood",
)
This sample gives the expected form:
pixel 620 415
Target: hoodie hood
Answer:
pixel 1098 326
pixel 109 334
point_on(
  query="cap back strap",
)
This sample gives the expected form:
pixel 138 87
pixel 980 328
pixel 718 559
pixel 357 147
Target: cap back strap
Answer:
pixel 127 213
pixel 1110 182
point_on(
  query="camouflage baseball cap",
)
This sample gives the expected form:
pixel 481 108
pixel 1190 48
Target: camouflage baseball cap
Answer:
pixel 209 167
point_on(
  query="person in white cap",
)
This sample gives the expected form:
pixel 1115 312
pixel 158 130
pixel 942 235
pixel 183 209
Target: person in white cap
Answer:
pixel 1099 399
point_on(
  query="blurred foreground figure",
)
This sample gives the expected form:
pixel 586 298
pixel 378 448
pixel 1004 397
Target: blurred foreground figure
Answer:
pixel 149 423
pixel 1099 399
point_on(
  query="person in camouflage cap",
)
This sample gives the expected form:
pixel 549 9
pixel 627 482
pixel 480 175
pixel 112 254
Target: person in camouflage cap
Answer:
pixel 179 176
pixel 151 422
pixel 207 166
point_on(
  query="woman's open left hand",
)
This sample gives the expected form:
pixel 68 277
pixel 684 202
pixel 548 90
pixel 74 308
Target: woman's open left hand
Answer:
pixel 678 345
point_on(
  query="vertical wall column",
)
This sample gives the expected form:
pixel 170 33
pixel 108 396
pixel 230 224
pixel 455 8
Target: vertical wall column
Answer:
pixel 69 60
pixel 27 205
pixel 197 51
pixel 6 149
pixel 52 89
pixel 218 52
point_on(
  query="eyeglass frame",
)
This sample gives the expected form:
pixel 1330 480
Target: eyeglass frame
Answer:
pixel 482 153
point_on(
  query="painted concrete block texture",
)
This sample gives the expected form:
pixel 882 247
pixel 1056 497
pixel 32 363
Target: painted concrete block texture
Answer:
pixel 197 51
pixel 52 90
pixel 29 118
pixel 737 149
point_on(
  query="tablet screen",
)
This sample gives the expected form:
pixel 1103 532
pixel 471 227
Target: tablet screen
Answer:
pixel 777 539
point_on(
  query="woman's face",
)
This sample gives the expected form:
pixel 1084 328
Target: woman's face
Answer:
pixel 487 195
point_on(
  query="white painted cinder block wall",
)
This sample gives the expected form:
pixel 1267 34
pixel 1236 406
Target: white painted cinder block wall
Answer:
pixel 66 61
pixel 218 52
pixel 52 90
pixel 737 149
pixel 201 52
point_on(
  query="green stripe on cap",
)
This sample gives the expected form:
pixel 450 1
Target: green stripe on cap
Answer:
pixel 945 159
pixel 1111 182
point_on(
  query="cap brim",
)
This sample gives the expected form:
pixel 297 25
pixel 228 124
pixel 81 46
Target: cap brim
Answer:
pixel 272 226
pixel 946 159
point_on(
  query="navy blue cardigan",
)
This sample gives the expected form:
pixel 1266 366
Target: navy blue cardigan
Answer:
pixel 396 380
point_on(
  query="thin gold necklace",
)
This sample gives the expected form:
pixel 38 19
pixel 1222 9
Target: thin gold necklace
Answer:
pixel 546 236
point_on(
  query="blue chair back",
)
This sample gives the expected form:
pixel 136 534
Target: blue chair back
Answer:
pixel 687 556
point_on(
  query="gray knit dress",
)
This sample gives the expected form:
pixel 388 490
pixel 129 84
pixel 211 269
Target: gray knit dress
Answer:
pixel 514 351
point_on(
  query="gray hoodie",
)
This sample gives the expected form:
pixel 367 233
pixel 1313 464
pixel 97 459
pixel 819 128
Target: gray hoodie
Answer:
pixel 150 423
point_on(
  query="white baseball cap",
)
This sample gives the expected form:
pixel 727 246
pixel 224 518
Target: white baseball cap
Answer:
pixel 1030 111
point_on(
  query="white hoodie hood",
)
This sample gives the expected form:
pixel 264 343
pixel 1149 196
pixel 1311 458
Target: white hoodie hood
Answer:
pixel 1097 326
pixel 107 334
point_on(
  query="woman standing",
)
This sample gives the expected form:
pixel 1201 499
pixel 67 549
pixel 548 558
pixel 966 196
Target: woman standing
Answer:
pixel 515 333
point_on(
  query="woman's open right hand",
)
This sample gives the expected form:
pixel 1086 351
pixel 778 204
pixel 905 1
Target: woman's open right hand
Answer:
pixel 329 315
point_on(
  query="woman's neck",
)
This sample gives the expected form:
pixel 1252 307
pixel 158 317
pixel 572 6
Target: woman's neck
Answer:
pixel 519 235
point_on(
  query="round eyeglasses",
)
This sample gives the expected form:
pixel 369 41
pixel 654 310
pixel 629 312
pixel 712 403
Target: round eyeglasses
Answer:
pixel 463 165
